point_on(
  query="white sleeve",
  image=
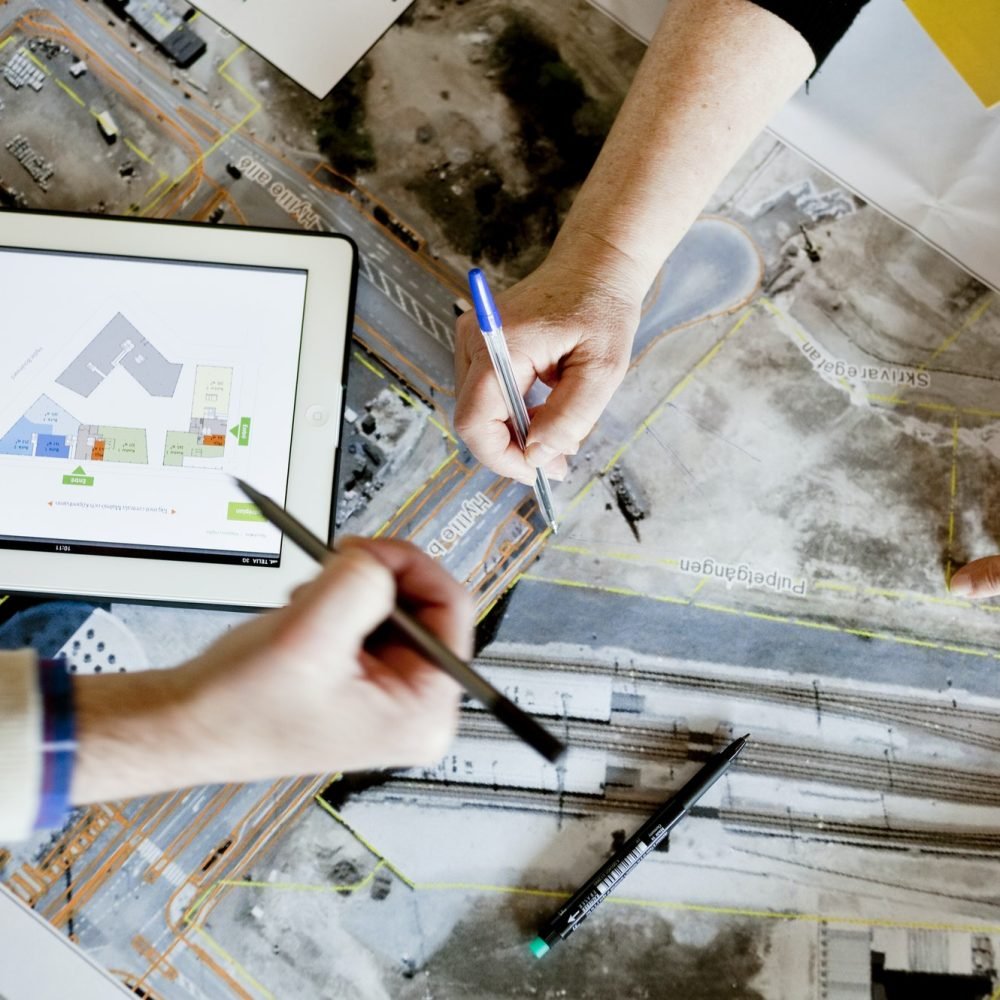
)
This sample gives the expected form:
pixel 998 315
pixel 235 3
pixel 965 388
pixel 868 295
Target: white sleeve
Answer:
pixel 20 744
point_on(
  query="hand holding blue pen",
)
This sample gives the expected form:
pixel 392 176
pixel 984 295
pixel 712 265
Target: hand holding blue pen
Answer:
pixel 492 331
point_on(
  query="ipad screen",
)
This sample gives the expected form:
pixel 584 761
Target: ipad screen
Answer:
pixel 131 390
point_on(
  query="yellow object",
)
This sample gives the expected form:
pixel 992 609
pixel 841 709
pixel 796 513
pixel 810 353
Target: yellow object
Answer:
pixel 968 33
pixel 107 125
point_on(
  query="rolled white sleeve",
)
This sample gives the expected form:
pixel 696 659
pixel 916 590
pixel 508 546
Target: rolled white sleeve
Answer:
pixel 20 744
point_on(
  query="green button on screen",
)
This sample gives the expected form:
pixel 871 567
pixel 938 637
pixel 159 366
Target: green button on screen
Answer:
pixel 244 512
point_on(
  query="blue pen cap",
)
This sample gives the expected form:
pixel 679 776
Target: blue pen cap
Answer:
pixel 482 299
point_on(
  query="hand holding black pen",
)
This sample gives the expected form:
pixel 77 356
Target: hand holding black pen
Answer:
pixel 424 641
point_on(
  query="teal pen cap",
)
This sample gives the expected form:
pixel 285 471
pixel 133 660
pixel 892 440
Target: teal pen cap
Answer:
pixel 538 947
pixel 482 300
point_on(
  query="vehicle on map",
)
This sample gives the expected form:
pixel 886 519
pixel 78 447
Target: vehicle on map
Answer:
pixel 108 127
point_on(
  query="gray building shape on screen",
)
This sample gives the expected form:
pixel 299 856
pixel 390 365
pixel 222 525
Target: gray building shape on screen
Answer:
pixel 120 345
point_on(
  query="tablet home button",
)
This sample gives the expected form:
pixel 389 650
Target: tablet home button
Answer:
pixel 317 415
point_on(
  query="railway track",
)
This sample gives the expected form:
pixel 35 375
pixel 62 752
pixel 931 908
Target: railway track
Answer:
pixel 784 824
pixel 975 727
pixel 850 770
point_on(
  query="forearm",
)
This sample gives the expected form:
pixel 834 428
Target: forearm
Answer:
pixel 134 736
pixel 714 74
pixel 290 692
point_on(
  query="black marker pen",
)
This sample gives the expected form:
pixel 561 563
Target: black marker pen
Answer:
pixel 593 892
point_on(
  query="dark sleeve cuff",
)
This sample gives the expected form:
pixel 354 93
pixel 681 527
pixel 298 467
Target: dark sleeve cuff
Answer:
pixel 58 743
pixel 822 23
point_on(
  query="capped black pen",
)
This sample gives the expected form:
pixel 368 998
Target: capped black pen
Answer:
pixel 595 890
pixel 422 639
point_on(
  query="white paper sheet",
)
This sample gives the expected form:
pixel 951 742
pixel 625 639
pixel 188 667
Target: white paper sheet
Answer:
pixel 889 117
pixel 315 42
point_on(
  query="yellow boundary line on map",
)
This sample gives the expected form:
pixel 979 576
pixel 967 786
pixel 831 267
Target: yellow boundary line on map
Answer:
pixel 71 92
pixel 420 489
pixel 972 411
pixel 163 176
pixel 973 317
pixel 75 97
pixel 538 892
pixel 657 413
pixel 347 887
pixel 37 62
pixel 779 619
pixel 705 359
pixel 223 954
pixel 430 419
pixel 326 807
pixel 138 152
pixel 832 585
pixel 951 500
pixel 225 137
pixel 360 357
pixel 892 400
pixel 409 399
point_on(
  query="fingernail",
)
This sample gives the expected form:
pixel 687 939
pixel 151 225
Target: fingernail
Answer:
pixel 961 586
pixel 539 454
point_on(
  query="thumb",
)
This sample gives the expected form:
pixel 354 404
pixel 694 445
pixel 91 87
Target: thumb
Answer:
pixel 353 595
pixel 980 578
pixel 571 410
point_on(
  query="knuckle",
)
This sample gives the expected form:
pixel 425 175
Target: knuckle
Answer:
pixel 464 421
pixel 610 365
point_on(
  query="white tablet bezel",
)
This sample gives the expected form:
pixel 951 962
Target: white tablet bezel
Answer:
pixel 330 261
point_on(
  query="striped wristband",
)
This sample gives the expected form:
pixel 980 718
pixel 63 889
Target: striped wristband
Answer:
pixel 58 743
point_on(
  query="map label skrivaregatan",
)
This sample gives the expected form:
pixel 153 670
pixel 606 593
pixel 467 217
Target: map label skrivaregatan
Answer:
pixel 822 362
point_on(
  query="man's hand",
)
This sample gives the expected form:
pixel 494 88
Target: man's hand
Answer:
pixel 980 578
pixel 316 686
pixel 564 328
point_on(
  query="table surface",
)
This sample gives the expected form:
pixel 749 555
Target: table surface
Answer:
pixel 756 537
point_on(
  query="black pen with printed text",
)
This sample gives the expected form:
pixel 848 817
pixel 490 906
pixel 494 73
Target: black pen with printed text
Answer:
pixel 595 890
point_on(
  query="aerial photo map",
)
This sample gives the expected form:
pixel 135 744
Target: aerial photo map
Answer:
pixel 757 537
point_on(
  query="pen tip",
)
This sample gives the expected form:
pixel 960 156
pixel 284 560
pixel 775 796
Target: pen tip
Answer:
pixel 249 492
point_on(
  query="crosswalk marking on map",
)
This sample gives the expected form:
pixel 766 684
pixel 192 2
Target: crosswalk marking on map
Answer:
pixel 403 300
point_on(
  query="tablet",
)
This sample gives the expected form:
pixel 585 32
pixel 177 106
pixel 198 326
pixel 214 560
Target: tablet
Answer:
pixel 142 366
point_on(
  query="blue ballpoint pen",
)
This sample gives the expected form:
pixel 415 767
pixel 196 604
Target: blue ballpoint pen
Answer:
pixel 492 331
